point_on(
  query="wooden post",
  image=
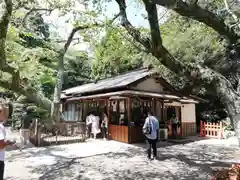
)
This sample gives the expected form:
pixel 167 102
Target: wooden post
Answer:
pixel 129 118
pixel 221 130
pixel 108 104
pixel 118 111
pixel 204 129
pixel 201 128
pixel 162 113
pixel 154 106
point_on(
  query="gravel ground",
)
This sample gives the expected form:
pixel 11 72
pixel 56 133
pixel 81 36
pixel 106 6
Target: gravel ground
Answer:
pixel 98 160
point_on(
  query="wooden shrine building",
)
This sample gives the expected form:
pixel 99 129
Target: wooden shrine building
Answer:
pixel 126 98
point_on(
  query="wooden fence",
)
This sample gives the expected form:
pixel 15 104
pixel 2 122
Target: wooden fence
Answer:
pixel 54 134
pixel 214 130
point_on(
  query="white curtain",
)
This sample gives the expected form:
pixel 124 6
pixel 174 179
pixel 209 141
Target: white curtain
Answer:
pixel 72 112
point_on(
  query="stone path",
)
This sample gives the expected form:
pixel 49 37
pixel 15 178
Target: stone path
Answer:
pixel 113 160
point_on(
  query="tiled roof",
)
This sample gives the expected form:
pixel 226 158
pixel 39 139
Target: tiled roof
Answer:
pixel 119 81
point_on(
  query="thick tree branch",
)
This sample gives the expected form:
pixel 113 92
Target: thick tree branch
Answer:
pixel 128 26
pixel 159 52
pixel 71 35
pixel 6 9
pixel 85 27
pixel 28 92
pixel 234 16
pixel 200 14
pixel 32 10
pixel 193 71
pixel 63 40
pixel 154 26
pixel 59 82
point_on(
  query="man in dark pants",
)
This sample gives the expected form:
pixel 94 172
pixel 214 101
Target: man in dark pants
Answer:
pixel 3 142
pixel 150 130
pixel 174 122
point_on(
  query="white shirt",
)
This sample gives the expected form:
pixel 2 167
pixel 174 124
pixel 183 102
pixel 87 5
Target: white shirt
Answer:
pixel 2 137
pixel 95 125
pixel 153 134
pixel 174 120
pixel 89 119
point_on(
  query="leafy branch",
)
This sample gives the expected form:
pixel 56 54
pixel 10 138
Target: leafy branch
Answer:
pixel 200 14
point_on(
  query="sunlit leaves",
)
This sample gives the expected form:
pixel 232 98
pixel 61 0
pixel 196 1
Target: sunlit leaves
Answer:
pixel 191 41
pixel 114 54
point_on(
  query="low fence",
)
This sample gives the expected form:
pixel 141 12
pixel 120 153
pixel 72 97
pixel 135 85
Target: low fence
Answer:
pixel 53 134
pixel 208 129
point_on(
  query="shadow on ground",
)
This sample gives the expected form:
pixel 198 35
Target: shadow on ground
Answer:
pixel 184 162
pixel 80 168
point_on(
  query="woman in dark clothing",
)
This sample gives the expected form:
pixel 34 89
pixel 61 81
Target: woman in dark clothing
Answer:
pixel 104 126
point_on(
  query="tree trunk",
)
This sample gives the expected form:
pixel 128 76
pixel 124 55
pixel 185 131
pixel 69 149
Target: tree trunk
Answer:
pixel 30 93
pixel 231 100
pixel 223 88
pixel 55 111
pixel 236 123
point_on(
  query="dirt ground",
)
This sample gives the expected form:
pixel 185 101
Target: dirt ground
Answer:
pixel 113 160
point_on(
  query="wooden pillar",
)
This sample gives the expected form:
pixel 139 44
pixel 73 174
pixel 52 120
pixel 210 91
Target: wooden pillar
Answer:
pixel 108 104
pixel 154 106
pixel 180 119
pixel 178 115
pixel 129 107
pixel 118 111
pixel 162 113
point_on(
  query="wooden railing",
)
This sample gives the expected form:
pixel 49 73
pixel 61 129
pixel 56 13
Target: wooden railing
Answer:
pixel 61 133
pixel 208 129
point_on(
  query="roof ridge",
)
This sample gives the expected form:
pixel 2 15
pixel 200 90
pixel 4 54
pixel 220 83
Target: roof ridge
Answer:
pixel 120 79
pixel 124 73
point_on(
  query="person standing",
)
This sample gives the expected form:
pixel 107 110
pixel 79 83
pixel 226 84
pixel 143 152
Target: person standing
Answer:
pixel 150 130
pixel 89 124
pixel 25 125
pixel 95 126
pixel 174 122
pixel 3 141
pixel 104 126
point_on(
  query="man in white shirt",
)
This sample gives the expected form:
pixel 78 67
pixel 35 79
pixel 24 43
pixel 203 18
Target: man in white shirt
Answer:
pixel 150 130
pixel 3 142
pixel 89 119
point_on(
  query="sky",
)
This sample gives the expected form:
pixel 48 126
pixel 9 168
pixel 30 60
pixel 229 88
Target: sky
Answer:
pixel 63 25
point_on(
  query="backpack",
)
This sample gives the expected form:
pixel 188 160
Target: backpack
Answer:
pixel 148 128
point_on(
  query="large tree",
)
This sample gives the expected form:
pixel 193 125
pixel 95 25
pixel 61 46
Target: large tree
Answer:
pixel 35 36
pixel 199 72
pixel 225 22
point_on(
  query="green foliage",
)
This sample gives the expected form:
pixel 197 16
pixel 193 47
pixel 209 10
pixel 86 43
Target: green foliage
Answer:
pixel 191 41
pixel 46 80
pixel 115 53
pixel 78 69
pixel 30 50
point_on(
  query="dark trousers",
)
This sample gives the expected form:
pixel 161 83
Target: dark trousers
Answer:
pixel 152 144
pixel 104 132
pixel 174 130
pixel 89 129
pixel 1 170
